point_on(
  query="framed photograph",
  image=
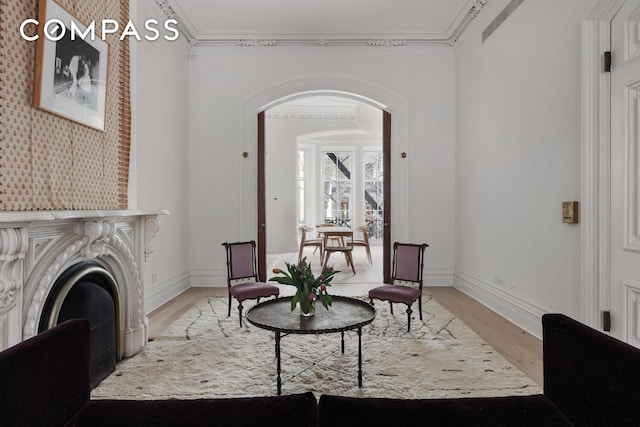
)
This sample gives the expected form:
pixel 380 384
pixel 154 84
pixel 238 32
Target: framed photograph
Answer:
pixel 71 69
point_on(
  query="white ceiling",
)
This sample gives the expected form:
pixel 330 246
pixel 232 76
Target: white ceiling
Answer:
pixel 323 21
pixel 366 120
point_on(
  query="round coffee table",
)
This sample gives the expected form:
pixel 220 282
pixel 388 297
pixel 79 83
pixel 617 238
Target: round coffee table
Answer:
pixel 345 314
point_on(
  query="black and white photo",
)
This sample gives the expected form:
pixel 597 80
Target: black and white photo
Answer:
pixel 71 74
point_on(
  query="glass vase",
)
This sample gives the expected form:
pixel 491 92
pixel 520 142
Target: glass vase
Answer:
pixel 312 309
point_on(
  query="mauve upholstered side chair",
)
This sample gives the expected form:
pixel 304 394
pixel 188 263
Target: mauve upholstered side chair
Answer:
pixel 408 262
pixel 242 276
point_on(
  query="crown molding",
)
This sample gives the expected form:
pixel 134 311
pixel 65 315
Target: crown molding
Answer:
pixel 387 42
pixel 170 13
pixel 381 40
pixel 321 42
pixel 256 42
pixel 310 116
pixel 472 14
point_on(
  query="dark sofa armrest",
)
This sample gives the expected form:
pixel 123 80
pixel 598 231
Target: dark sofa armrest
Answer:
pixel 44 380
pixel 520 411
pixel 293 410
pixel 592 378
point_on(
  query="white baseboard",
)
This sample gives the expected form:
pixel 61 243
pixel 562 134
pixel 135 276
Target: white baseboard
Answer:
pixel 160 293
pixel 518 311
pixel 218 278
pixel 438 277
pixel 208 278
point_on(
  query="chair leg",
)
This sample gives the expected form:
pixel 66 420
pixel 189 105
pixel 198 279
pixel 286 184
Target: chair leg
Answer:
pixel 327 254
pixel 369 255
pixel 229 313
pixel 391 306
pixel 240 312
pixel 420 305
pixel 409 311
pixel 300 254
pixel 350 261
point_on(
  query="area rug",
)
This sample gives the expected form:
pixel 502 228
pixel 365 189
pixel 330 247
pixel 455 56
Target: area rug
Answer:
pixel 206 354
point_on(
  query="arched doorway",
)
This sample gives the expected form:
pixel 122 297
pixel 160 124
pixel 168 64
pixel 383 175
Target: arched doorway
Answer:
pixel 357 131
pixel 396 118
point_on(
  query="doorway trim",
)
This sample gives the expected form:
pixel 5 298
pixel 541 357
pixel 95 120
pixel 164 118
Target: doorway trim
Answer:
pixel 596 182
pixel 347 87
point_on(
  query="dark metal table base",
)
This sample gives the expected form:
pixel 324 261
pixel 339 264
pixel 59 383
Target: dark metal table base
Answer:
pixel 346 314
pixel 313 363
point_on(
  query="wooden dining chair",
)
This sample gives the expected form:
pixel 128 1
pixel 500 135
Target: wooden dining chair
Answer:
pixel 242 275
pixel 364 241
pixel 305 241
pixel 346 249
pixel 408 263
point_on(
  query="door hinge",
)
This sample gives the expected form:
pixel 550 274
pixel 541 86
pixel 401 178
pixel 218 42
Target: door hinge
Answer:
pixel 607 61
pixel 606 321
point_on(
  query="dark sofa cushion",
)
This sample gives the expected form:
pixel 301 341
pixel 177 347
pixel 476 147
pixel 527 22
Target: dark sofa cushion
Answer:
pixel 296 410
pixel 591 377
pixel 520 411
pixel 45 379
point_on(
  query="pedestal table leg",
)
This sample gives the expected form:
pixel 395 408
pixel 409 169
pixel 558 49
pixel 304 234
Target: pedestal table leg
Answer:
pixel 360 357
pixel 279 379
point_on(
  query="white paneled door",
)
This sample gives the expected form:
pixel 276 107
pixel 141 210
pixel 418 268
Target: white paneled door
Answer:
pixel 624 287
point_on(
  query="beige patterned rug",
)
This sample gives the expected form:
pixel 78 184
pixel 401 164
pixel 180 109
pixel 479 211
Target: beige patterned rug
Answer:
pixel 206 354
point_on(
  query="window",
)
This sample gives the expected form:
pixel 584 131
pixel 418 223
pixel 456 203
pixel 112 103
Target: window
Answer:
pixel 302 198
pixel 373 193
pixel 336 171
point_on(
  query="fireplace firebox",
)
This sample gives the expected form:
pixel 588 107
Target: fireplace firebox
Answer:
pixel 87 290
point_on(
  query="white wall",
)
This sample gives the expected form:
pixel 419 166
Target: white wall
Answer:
pixel 160 147
pixel 518 110
pixel 282 137
pixel 222 188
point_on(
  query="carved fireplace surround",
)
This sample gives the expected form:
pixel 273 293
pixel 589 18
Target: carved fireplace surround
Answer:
pixel 37 247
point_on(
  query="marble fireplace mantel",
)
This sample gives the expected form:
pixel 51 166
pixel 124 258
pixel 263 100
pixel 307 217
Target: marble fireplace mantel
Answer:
pixel 37 247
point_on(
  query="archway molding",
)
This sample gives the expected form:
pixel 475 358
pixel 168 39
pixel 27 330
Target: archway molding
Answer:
pixel 329 85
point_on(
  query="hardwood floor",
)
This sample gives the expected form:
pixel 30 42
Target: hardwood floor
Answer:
pixel 520 348
pixel 163 316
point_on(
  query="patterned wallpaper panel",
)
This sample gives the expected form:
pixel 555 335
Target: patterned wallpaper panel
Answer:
pixel 49 162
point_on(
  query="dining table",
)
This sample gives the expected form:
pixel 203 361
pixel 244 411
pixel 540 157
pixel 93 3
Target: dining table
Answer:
pixel 337 231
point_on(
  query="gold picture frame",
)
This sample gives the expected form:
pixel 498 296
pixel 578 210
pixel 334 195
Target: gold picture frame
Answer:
pixel 71 68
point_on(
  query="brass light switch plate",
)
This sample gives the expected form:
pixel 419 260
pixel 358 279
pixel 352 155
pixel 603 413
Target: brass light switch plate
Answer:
pixel 570 212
